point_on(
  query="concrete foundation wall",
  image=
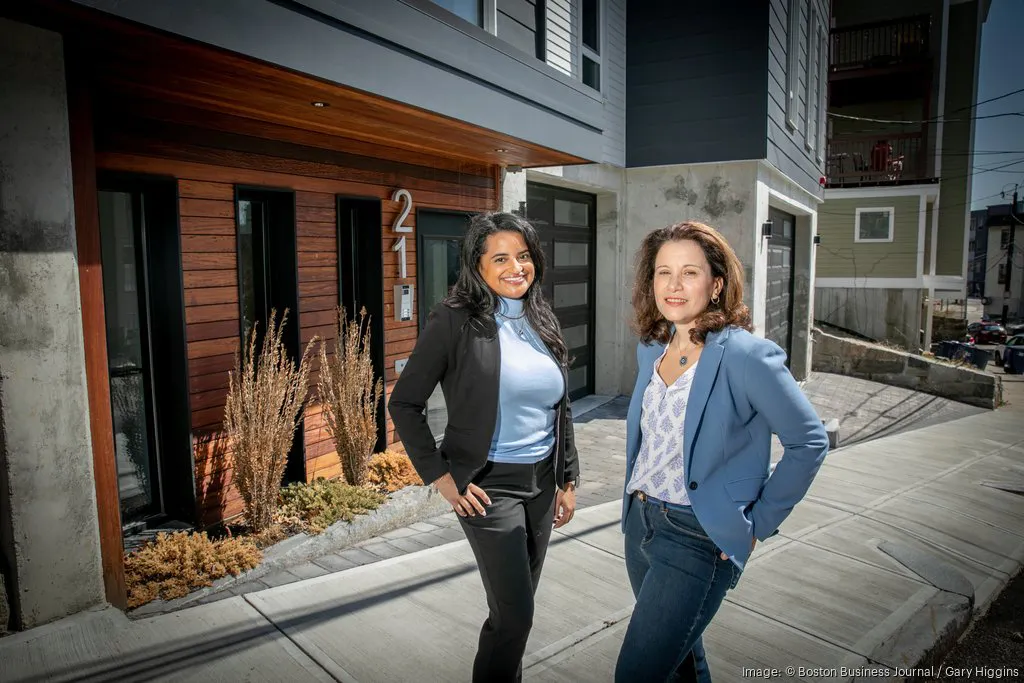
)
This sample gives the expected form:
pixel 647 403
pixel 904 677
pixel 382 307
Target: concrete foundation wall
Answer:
pixel 890 315
pixel 49 535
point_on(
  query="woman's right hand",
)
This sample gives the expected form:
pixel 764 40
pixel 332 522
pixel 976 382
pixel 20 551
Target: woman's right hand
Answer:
pixel 470 504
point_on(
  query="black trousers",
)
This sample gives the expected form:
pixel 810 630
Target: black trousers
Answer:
pixel 510 544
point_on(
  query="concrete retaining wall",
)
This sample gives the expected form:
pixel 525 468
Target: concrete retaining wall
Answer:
pixel 889 315
pixel 880 364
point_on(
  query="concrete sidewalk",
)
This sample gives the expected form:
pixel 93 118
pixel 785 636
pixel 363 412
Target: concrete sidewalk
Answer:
pixel 899 542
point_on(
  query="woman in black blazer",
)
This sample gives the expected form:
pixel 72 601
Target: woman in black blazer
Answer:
pixel 507 463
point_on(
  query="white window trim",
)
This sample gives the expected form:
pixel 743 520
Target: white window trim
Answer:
pixel 792 61
pixel 876 209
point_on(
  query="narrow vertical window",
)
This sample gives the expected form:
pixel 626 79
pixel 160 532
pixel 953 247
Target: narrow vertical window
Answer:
pixel 821 97
pixel 590 43
pixel 792 63
pixel 810 82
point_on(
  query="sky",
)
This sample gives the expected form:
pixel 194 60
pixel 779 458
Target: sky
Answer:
pixel 1001 71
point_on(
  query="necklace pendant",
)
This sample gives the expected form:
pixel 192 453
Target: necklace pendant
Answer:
pixel 682 360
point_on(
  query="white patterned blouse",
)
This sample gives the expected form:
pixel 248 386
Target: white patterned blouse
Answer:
pixel 658 471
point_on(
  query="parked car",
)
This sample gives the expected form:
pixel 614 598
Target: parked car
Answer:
pixel 1015 341
pixel 1014 328
pixel 990 334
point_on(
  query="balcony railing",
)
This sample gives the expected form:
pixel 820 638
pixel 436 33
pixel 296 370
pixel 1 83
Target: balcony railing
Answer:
pixel 881 158
pixel 879 44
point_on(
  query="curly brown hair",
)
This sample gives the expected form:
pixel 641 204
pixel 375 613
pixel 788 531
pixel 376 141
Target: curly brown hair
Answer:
pixel 650 324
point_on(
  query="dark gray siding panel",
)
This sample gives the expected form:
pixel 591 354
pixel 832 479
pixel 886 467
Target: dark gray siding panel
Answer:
pixel 413 52
pixel 695 82
pixel 613 61
pixel 787 148
pixel 517 24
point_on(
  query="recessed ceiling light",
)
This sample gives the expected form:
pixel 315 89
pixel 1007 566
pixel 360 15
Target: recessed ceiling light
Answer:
pixel 320 104
pixel 501 150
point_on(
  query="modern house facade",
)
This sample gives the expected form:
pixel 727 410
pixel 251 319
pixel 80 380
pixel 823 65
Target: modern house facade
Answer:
pixel 895 223
pixel 1004 265
pixel 171 173
pixel 977 254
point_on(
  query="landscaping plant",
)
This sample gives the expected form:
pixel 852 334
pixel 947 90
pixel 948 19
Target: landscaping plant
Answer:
pixel 349 396
pixel 321 503
pixel 264 404
pixel 175 564
pixel 391 471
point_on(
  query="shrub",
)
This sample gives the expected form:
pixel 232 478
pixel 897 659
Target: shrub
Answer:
pixel 175 564
pixel 321 503
pixel 264 401
pixel 391 471
pixel 349 395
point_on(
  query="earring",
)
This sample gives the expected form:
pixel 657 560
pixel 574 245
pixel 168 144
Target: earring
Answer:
pixel 714 299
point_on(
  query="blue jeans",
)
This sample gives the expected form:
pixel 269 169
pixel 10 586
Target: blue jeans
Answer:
pixel 679 580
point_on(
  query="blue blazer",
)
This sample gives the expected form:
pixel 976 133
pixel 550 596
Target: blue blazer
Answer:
pixel 742 392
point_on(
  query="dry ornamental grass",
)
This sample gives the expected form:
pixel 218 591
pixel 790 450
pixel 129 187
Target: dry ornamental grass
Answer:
pixel 350 396
pixel 265 398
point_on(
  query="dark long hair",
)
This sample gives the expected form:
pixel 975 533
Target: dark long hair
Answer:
pixel 648 322
pixel 472 293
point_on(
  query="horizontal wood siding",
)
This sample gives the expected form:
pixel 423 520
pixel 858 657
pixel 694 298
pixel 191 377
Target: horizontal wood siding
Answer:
pixel 207 175
pixel 838 254
pixel 561 36
pixel 695 86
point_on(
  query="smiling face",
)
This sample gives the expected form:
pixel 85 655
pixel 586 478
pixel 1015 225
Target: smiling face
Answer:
pixel 506 265
pixel 683 282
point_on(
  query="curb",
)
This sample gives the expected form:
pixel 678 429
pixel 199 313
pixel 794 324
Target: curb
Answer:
pixel 404 507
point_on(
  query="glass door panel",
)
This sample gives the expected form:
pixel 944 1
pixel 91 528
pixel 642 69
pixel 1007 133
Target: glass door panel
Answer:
pixel 121 236
pixel 440 239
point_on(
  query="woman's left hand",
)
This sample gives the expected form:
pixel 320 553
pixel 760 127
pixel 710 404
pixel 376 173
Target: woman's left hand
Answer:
pixel 752 544
pixel 565 506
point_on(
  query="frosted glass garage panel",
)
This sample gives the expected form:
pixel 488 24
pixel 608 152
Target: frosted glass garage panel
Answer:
pixel 575 336
pixel 574 294
pixel 572 213
pixel 571 254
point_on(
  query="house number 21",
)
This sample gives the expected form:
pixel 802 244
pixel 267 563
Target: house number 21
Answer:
pixel 399 246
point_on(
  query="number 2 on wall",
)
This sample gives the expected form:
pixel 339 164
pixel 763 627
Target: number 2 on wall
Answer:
pixel 399 246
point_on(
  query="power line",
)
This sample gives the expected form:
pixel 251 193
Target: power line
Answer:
pixel 918 122
pixel 991 99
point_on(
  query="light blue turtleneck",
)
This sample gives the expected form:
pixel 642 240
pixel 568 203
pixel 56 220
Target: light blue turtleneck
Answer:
pixel 529 389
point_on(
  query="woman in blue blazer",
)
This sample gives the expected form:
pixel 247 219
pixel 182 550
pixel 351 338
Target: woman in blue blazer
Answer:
pixel 699 490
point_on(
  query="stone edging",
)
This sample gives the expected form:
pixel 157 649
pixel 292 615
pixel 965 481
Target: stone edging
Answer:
pixel 404 507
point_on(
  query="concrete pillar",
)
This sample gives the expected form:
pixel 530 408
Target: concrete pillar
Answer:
pixel 49 536
pixel 513 191
pixel 803 295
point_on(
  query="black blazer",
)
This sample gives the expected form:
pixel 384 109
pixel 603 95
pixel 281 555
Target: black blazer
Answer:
pixel 466 361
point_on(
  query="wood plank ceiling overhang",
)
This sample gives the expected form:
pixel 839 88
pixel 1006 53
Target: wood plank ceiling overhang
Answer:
pixel 138 69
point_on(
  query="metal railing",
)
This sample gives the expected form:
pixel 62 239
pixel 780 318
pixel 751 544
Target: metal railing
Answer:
pixel 879 44
pixel 877 158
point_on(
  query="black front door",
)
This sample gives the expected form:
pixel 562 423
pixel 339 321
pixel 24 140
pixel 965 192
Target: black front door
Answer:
pixel 268 281
pixel 438 241
pixel 144 312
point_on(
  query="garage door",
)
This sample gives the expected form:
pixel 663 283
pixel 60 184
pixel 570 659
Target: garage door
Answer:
pixel 567 224
pixel 779 308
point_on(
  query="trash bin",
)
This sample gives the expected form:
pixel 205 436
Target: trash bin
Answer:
pixel 1013 360
pixel 946 349
pixel 979 358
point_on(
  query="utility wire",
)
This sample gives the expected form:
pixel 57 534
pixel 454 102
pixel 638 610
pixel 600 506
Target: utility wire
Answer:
pixel 918 122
